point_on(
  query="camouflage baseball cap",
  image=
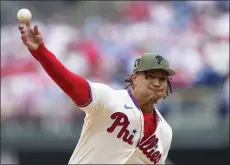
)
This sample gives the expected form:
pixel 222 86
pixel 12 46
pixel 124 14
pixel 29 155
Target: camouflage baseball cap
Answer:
pixel 150 61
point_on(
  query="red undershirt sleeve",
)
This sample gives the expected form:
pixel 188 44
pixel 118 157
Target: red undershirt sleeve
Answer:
pixel 76 87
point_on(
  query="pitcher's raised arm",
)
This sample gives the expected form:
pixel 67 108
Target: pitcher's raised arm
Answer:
pixel 75 86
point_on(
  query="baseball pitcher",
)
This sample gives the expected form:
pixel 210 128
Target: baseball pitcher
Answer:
pixel 121 126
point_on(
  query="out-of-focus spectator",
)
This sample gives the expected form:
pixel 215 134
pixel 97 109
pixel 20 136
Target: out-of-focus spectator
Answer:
pixel 224 100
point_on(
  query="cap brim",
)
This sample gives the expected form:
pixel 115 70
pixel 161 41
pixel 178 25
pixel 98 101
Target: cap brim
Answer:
pixel 170 72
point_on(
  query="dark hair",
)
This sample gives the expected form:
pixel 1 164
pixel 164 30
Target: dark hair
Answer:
pixel 129 80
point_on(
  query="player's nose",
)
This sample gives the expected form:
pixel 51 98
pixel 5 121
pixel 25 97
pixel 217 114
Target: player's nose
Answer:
pixel 155 83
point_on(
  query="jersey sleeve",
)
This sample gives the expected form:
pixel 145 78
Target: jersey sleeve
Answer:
pixel 100 96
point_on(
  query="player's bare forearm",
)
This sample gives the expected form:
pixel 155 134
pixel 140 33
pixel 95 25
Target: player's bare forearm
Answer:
pixel 73 85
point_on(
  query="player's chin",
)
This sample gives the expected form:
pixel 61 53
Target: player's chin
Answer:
pixel 159 95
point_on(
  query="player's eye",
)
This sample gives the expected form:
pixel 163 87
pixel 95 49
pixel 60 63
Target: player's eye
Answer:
pixel 163 79
pixel 147 76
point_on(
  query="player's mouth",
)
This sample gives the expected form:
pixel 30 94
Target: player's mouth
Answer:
pixel 157 91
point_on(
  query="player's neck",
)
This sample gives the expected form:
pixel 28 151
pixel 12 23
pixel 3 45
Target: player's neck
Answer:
pixel 144 105
pixel 147 108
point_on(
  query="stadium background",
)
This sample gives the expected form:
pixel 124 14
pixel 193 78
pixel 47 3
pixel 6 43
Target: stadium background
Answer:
pixel 100 40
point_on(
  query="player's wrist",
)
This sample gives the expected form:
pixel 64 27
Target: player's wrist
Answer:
pixel 40 46
pixel 39 51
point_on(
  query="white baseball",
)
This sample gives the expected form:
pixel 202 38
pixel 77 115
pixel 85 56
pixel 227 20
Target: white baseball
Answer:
pixel 24 15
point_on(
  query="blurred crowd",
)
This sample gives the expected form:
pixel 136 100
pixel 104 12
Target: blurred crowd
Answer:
pixel 193 36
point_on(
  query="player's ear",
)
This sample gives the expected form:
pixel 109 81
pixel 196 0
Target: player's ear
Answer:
pixel 134 78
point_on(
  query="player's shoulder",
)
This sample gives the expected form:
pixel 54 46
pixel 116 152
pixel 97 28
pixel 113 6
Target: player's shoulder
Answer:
pixel 100 87
pixel 107 89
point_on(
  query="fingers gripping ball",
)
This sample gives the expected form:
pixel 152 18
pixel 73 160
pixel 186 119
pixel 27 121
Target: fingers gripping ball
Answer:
pixel 24 16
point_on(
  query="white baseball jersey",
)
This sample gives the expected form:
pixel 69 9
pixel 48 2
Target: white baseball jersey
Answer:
pixel 113 128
